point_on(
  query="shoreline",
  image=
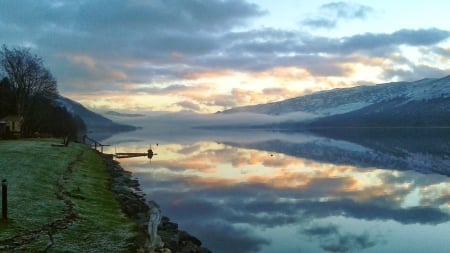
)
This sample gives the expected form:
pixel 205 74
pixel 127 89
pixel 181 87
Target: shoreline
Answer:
pixel 134 205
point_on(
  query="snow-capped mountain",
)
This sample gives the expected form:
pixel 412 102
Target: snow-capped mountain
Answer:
pixel 423 99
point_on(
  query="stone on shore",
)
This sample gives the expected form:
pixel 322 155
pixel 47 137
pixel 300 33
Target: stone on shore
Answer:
pixel 134 205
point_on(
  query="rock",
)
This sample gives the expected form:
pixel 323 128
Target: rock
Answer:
pixel 134 205
pixel 154 214
pixel 187 237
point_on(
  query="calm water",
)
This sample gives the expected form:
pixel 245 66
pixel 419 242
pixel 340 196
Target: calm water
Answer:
pixel 354 191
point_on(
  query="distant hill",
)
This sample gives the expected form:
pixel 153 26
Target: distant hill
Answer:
pixel 119 114
pixel 97 125
pixel 423 150
pixel 423 103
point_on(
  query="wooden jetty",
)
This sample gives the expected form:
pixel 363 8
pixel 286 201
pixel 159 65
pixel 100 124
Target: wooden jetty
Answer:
pixel 149 154
pixel 93 143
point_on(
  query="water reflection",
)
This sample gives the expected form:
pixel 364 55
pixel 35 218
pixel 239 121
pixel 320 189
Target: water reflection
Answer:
pixel 298 193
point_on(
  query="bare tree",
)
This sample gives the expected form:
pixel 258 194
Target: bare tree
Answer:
pixel 28 77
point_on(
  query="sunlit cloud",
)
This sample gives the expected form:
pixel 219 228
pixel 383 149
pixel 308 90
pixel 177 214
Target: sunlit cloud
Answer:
pixel 84 60
pixel 117 101
pixel 207 56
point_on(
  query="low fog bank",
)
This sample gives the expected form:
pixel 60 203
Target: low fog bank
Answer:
pixel 191 120
pixel 184 126
pixel 245 119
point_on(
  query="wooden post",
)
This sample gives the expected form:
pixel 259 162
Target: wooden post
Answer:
pixel 149 153
pixel 4 199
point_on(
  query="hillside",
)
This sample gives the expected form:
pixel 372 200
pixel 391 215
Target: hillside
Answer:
pixel 394 113
pixel 418 149
pixel 419 103
pixel 97 125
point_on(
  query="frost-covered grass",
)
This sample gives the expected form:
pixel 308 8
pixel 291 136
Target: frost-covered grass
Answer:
pixel 33 169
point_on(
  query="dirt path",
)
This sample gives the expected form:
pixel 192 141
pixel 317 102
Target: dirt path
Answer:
pixel 57 225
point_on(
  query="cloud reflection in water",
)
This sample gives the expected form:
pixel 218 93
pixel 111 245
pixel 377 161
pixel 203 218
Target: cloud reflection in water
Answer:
pixel 236 199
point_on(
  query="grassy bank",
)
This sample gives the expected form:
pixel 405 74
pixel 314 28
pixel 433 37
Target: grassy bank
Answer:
pixel 60 199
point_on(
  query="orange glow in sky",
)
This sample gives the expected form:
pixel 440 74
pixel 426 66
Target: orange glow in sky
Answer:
pixel 145 56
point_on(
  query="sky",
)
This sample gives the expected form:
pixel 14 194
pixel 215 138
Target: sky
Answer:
pixel 209 55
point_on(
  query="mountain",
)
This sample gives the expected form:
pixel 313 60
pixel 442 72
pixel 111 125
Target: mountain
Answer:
pixel 97 125
pixel 423 150
pixel 120 114
pixel 420 103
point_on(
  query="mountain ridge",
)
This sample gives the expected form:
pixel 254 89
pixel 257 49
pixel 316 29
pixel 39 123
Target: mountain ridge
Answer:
pixel 387 104
pixel 97 125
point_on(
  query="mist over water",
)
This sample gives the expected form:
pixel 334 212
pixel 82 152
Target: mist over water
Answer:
pixel 261 191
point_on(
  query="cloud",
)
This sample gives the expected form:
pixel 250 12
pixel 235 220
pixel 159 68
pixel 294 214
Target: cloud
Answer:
pixel 321 231
pixel 242 206
pixel 329 15
pixel 171 47
pixel 331 239
pixel 268 49
pixel 443 52
pixel 185 179
pixel 415 72
pixel 348 10
pixel 111 31
pixel 189 106
pixel 229 238
pixel 114 15
pixel 84 60
pixel 369 41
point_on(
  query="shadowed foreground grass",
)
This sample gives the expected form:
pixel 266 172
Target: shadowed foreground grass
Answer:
pixel 60 194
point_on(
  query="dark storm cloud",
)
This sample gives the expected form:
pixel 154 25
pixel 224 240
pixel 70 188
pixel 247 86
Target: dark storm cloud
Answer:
pixel 330 14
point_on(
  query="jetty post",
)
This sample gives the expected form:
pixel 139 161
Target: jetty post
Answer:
pixel 4 199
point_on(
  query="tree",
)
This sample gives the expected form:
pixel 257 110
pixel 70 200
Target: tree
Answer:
pixel 56 120
pixel 7 102
pixel 28 89
pixel 28 79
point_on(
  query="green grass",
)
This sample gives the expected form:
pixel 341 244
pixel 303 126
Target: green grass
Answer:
pixel 36 171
